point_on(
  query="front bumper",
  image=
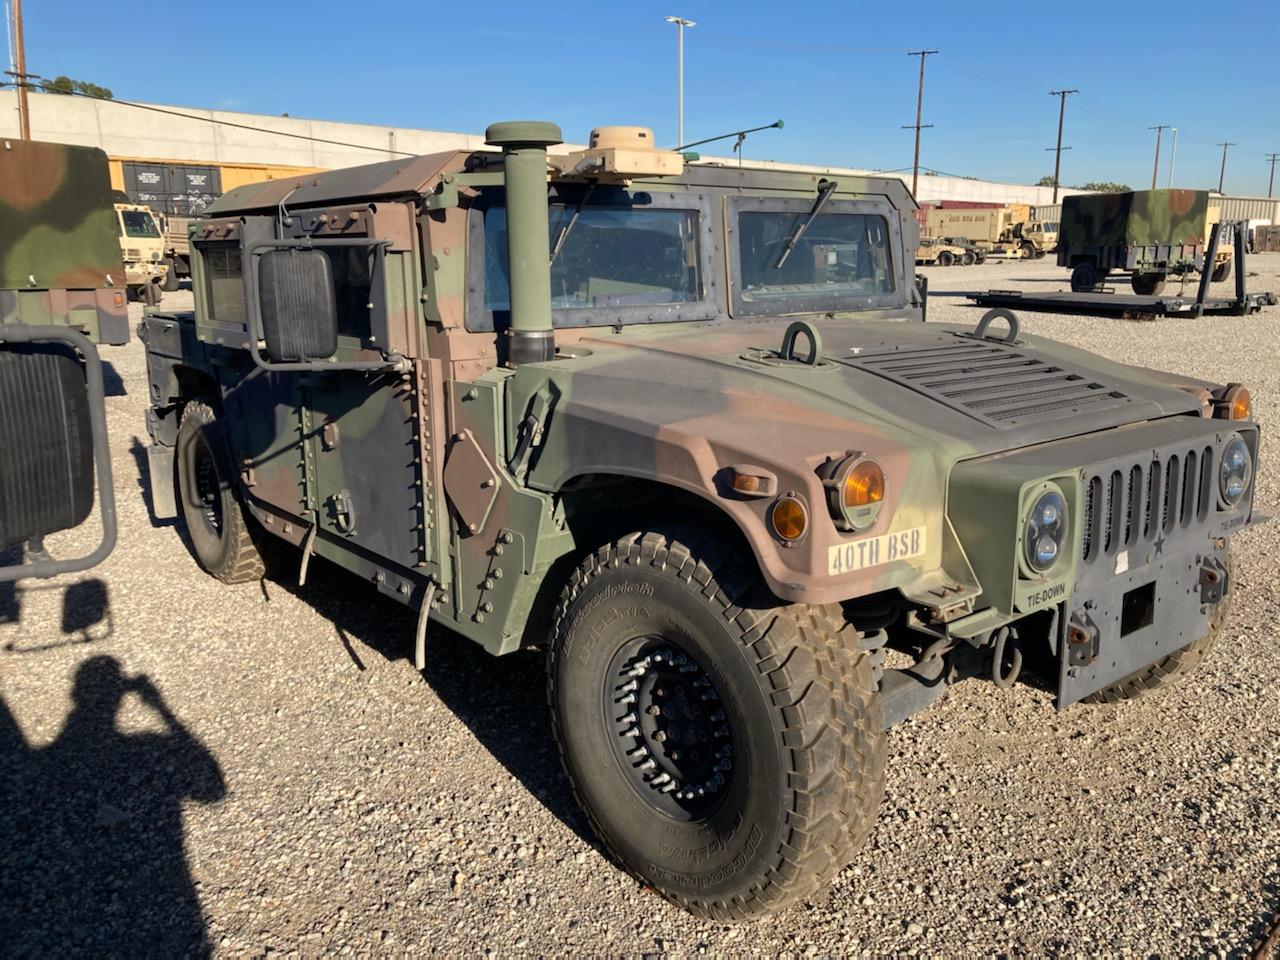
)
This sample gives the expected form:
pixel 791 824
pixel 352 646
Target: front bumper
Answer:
pixel 1121 624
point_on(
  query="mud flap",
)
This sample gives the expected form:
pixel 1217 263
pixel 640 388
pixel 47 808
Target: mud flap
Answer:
pixel 164 506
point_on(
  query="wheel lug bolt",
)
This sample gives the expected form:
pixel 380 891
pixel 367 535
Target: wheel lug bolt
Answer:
pixel 652 710
pixel 660 736
pixel 675 754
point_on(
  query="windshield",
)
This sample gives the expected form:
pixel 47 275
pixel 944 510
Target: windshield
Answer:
pixel 139 223
pixel 611 257
pixel 840 254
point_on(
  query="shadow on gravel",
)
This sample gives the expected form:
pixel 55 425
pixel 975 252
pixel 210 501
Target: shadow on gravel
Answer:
pixel 112 382
pixel 93 861
pixel 86 613
pixel 502 700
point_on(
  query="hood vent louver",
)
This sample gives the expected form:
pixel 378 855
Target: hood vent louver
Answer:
pixel 995 384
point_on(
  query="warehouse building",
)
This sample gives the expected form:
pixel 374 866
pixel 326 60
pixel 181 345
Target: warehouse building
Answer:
pixel 178 159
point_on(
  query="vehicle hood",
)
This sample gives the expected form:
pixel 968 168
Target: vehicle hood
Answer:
pixel 934 383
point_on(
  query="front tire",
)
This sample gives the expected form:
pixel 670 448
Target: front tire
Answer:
pixel 224 537
pixel 968 259
pixel 728 750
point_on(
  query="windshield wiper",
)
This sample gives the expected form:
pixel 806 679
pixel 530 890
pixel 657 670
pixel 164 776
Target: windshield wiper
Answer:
pixel 825 189
pixel 563 235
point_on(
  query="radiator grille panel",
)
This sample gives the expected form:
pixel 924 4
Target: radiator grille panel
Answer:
pixel 1145 501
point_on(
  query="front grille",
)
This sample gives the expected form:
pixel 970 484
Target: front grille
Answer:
pixel 1145 501
pixel 994 383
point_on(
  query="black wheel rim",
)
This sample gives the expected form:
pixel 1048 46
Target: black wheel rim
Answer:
pixel 208 491
pixel 668 728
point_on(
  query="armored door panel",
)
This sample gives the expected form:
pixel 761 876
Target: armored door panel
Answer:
pixel 363 434
pixel 266 440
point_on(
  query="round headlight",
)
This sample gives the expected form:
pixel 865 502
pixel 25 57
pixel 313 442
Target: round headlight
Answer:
pixel 1235 473
pixel 1046 531
pixel 855 489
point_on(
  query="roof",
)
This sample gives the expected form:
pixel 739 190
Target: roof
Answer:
pixel 390 178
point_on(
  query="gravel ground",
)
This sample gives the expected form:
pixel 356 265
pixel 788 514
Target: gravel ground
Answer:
pixel 259 768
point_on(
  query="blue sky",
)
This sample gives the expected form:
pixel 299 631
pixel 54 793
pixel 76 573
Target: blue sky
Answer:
pixel 837 73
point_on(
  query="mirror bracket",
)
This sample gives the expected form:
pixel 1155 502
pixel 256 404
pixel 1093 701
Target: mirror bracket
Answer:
pixel 38 562
pixel 392 362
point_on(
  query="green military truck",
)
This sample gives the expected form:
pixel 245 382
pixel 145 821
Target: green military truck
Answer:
pixel 682 427
pixel 62 290
pixel 1153 234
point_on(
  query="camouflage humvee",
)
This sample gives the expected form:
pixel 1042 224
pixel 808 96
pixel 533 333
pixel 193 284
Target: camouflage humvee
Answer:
pixel 1151 233
pixel 62 289
pixel 682 426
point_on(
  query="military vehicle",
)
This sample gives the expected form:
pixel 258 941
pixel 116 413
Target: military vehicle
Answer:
pixel 681 425
pixel 972 252
pixel 1151 233
pixel 931 251
pixel 1005 231
pixel 145 262
pixel 62 289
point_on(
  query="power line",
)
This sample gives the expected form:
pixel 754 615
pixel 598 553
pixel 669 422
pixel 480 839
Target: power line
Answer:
pixel 1057 151
pixel 1222 173
pixel 917 126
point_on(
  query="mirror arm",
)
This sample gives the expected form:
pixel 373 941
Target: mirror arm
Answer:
pixel 253 316
pixel 101 452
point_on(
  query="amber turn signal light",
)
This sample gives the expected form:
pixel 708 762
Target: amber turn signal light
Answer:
pixel 789 519
pixel 1239 403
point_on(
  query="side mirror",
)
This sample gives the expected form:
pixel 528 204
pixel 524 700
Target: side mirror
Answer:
pixel 53 437
pixel 299 308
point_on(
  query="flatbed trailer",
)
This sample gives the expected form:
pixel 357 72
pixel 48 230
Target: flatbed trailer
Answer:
pixel 1162 305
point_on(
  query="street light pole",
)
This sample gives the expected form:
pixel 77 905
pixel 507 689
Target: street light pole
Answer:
pixel 1271 159
pixel 680 23
pixel 1155 168
pixel 20 73
pixel 1173 156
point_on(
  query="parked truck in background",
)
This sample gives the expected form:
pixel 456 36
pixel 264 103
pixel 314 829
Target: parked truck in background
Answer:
pixel 142 246
pixel 177 249
pixel 1006 231
pixel 1153 234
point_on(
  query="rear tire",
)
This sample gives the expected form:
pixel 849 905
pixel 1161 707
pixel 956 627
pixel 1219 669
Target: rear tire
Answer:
pixel 1165 673
pixel 728 750
pixel 946 259
pixel 1221 272
pixel 1147 284
pixel 968 259
pixel 224 537
pixel 1084 278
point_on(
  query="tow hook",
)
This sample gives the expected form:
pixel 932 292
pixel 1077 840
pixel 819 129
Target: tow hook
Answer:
pixel 1006 649
pixel 1083 640
pixel 1213 580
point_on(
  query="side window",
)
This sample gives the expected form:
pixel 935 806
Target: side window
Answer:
pixel 225 281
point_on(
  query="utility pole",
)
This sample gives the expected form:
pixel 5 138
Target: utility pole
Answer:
pixel 19 73
pixel 1271 159
pixel 1155 169
pixel 680 23
pixel 1173 156
pixel 1222 174
pixel 1057 158
pixel 917 126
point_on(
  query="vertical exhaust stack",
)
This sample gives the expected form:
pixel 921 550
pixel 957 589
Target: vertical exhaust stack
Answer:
pixel 524 147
